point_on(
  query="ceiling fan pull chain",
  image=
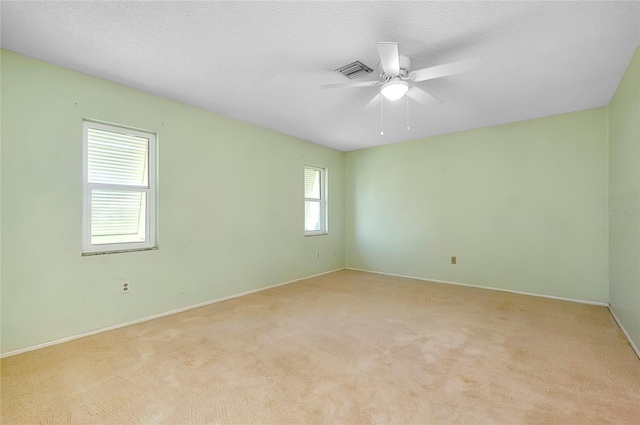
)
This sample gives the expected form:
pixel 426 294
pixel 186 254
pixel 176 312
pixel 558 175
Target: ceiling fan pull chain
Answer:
pixel 382 115
pixel 408 128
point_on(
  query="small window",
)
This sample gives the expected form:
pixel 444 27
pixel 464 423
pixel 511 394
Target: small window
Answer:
pixel 315 201
pixel 119 189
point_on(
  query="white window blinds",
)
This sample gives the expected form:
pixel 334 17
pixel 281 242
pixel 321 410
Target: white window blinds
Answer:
pixel 117 159
pixel 314 200
pixel 311 183
pixel 118 190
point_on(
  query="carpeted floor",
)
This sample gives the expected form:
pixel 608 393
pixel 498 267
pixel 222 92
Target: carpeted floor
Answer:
pixel 348 347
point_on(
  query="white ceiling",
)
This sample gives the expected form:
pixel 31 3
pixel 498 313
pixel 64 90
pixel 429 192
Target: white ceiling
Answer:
pixel 263 62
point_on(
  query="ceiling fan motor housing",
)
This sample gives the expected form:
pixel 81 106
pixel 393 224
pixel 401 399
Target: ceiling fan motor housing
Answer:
pixel 405 67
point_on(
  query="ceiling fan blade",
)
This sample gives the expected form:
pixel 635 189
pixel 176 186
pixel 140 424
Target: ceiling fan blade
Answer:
pixel 389 57
pixel 354 84
pixel 447 69
pixel 422 97
pixel 373 103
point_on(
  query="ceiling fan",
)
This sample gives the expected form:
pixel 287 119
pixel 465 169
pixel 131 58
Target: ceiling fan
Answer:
pixel 395 75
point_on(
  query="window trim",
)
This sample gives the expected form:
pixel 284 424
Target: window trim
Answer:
pixel 150 190
pixel 323 202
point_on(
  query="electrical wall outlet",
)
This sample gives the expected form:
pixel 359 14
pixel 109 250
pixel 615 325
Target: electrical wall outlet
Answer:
pixel 125 287
pixel 334 252
pixel 454 260
pixel 317 255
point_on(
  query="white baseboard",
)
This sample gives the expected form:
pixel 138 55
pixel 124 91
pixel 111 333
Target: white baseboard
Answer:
pixel 155 316
pixel 624 331
pixel 533 294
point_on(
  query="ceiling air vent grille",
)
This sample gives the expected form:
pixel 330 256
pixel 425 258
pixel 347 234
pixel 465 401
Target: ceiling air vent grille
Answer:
pixel 354 70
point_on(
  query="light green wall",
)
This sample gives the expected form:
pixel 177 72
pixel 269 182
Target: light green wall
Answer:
pixel 522 206
pixel 230 207
pixel 624 200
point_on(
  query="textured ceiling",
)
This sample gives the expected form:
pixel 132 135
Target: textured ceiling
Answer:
pixel 263 62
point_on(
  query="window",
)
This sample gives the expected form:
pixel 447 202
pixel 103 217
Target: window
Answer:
pixel 119 189
pixel 315 201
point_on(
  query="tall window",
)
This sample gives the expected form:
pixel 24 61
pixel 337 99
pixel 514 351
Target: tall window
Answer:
pixel 119 189
pixel 315 201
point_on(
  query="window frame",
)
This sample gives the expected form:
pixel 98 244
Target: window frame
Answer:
pixel 150 190
pixel 323 202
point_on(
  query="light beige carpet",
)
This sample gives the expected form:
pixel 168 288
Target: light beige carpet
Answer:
pixel 348 347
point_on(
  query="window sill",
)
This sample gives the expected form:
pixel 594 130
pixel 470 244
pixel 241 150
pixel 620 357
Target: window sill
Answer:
pixel 315 234
pixel 89 254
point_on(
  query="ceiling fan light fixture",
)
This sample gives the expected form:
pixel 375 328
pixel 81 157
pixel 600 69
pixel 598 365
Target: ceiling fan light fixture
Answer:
pixel 394 89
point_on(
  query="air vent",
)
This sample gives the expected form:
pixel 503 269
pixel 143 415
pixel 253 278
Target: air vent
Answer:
pixel 354 70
